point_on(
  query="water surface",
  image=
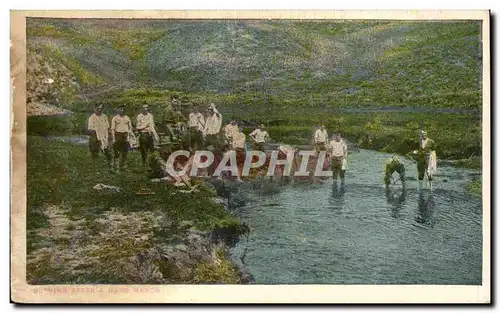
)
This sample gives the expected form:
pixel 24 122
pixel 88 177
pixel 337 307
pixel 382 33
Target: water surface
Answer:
pixel 363 233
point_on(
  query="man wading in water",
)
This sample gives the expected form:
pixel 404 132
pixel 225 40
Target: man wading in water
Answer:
pixel 121 127
pixel 147 133
pixel 338 157
pixel 426 159
pixel 394 165
pixel 98 127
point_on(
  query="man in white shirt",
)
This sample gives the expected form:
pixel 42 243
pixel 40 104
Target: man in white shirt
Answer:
pixel 121 127
pixel 320 139
pixel 338 157
pixel 259 136
pixel 229 131
pixel 212 127
pixel 238 142
pixel 147 133
pixel 98 127
pixel 196 124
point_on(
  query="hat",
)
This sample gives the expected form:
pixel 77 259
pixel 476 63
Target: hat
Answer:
pixel 145 106
pixel 423 132
pixel 99 106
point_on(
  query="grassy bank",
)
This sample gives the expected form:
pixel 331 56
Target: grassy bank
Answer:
pixel 80 235
pixel 475 187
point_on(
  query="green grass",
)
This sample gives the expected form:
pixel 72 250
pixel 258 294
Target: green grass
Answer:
pixel 62 175
pixel 475 187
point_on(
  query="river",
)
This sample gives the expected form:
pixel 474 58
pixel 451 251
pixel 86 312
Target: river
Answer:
pixel 361 234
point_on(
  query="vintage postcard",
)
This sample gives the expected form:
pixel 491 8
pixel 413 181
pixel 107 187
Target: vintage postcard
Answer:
pixel 250 157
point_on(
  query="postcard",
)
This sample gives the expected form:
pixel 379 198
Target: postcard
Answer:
pixel 250 157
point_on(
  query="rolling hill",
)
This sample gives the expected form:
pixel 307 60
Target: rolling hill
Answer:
pixel 318 63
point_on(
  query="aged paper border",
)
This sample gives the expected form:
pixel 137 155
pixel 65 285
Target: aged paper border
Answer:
pixel 23 293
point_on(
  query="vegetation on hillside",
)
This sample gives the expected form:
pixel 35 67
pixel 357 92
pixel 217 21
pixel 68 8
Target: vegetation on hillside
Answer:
pixel 319 64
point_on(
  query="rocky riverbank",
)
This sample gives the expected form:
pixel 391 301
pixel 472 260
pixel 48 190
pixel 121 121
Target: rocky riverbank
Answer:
pixel 80 231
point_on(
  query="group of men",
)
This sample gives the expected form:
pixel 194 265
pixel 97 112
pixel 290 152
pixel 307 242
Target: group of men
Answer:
pixel 203 131
pixel 116 146
pixel 207 132
pixel 336 149
pixel 425 157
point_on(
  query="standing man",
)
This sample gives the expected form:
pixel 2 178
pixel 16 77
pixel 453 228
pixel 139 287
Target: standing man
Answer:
pixel 229 131
pixel 121 127
pixel 196 125
pixel 98 127
pixel 147 133
pixel 426 158
pixel 238 142
pixel 212 127
pixel 171 117
pixel 259 136
pixel 320 139
pixel 338 157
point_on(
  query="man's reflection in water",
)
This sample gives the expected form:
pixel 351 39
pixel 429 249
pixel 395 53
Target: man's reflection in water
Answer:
pixel 425 208
pixel 338 192
pixel 396 198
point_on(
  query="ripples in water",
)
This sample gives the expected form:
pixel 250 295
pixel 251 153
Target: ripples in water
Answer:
pixel 363 233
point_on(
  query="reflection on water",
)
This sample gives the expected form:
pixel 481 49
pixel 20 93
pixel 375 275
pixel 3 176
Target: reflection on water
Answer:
pixel 396 198
pixel 363 232
pixel 425 208
pixel 338 192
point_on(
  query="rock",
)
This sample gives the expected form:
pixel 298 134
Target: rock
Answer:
pixel 246 277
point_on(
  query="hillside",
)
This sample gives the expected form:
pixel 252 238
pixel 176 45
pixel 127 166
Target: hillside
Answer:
pixel 348 63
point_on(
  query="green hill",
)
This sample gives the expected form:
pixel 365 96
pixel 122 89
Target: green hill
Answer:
pixel 319 63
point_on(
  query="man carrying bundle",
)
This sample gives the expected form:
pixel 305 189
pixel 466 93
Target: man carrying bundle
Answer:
pixel 338 157
pixel 426 159
pixel 98 127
